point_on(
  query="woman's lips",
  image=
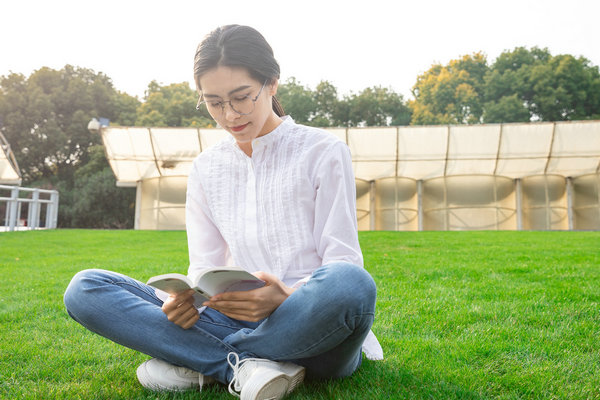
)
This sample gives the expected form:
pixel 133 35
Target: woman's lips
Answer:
pixel 239 127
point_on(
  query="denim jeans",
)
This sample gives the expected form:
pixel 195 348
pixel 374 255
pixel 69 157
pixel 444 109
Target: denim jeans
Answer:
pixel 321 326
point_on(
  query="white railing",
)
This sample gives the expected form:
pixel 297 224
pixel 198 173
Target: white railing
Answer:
pixel 39 202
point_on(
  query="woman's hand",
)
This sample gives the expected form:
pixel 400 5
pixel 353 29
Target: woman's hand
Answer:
pixel 252 305
pixel 180 309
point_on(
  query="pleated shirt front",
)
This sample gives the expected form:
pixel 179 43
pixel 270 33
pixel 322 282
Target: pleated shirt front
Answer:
pixel 287 210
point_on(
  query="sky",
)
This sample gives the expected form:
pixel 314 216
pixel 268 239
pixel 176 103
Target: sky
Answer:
pixel 352 44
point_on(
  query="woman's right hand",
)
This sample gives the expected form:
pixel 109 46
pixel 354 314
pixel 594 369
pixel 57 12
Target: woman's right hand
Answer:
pixel 180 309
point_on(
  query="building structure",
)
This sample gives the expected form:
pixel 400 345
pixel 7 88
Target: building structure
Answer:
pixel 531 176
pixel 22 208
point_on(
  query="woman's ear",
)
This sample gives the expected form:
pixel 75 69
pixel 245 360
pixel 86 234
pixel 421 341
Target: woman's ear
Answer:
pixel 273 86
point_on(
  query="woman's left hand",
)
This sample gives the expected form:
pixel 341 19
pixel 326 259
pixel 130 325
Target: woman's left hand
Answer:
pixel 252 305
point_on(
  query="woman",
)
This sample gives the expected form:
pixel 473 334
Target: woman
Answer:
pixel 275 198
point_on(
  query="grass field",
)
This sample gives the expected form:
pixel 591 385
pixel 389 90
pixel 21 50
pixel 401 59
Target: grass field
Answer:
pixel 461 315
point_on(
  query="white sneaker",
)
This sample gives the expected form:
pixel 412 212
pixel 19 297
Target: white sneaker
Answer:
pixel 259 379
pixel 156 374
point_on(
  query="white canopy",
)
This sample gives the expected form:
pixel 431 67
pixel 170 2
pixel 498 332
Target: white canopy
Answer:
pixel 418 152
pixel 9 170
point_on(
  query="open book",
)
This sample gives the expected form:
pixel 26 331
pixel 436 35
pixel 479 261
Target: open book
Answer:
pixel 208 283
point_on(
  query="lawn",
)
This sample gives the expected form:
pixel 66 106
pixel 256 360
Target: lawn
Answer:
pixel 461 315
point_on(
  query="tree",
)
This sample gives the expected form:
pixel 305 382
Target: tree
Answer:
pixel 525 85
pixel 44 117
pixel 172 105
pixel 97 201
pixel 450 94
pixel 326 101
pixel 376 106
pixel 509 108
pixel 297 100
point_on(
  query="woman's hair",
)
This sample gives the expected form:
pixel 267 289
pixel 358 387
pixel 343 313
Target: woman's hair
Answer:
pixel 238 46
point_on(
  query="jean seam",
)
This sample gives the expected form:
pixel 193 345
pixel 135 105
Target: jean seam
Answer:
pixel 295 354
pixel 145 289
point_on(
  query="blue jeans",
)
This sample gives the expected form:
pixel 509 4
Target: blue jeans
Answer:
pixel 321 326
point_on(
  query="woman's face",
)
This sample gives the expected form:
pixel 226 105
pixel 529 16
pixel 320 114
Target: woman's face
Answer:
pixel 223 84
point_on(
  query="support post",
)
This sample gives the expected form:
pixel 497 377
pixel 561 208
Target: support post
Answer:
pixel 33 214
pixel 519 205
pixel 13 206
pixel 570 202
pixel 420 203
pixel 53 213
pixel 372 205
pixel 138 205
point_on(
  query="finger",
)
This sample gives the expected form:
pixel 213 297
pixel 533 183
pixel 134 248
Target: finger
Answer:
pixel 175 311
pixel 264 276
pixel 191 322
pixel 181 314
pixel 183 296
pixel 175 300
pixel 187 319
pixel 171 305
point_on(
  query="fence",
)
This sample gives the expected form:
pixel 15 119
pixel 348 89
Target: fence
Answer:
pixel 27 208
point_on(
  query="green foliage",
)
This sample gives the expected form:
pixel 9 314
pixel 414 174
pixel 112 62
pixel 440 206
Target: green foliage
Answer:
pixel 98 202
pixel 508 109
pixel 297 101
pixel 327 104
pixel 450 94
pixel 376 106
pixel 460 315
pixel 172 105
pixel 520 86
pixel 92 198
pixel 44 117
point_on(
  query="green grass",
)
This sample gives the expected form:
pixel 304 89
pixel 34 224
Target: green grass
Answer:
pixel 461 315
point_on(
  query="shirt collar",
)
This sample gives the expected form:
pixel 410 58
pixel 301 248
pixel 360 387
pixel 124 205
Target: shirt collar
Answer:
pixel 271 137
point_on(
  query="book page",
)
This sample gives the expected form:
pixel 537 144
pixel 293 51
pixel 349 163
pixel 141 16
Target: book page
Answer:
pixel 170 283
pixel 219 281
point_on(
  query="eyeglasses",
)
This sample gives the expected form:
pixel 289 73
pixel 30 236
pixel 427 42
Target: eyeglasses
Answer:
pixel 243 105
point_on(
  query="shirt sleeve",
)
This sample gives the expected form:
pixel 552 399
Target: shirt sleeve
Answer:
pixel 206 245
pixel 335 226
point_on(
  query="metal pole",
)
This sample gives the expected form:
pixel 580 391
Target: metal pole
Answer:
pixel 13 205
pixel 570 202
pixel 420 203
pixel 54 212
pixel 138 205
pixel 33 217
pixel 372 205
pixel 519 205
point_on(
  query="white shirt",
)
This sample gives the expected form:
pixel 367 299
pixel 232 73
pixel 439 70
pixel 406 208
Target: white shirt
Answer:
pixel 287 210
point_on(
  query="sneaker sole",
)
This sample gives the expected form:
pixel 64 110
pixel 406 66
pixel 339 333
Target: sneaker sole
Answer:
pixel 147 382
pixel 295 374
pixel 273 385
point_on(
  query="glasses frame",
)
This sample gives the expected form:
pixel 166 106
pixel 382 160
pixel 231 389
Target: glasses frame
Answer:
pixel 200 102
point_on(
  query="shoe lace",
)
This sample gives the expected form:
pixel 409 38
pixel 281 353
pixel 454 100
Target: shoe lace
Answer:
pixel 235 385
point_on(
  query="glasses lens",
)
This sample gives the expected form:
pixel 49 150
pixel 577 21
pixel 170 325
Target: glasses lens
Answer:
pixel 242 106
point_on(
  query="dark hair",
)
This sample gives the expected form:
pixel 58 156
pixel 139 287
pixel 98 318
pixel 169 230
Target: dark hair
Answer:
pixel 238 46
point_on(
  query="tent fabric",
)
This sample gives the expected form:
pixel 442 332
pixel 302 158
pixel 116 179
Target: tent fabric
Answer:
pixel 9 169
pixel 498 176
pixel 416 152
